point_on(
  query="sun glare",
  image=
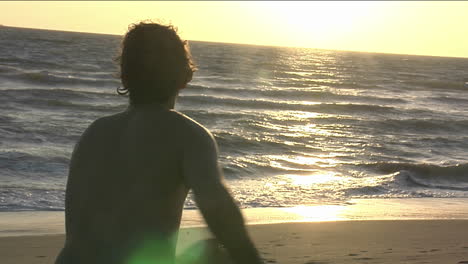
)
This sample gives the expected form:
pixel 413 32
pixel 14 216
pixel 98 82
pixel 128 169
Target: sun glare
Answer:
pixel 319 22
pixel 317 213
pixel 322 18
pixel 319 178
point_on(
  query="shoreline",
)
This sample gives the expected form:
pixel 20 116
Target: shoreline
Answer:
pixel 33 223
pixel 355 241
pixel 372 231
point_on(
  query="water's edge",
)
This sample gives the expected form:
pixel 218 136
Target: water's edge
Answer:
pixel 30 223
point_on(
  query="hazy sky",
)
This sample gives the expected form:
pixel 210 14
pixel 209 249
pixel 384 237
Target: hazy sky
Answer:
pixel 421 27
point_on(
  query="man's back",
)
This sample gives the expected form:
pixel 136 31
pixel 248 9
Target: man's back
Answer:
pixel 130 173
pixel 125 185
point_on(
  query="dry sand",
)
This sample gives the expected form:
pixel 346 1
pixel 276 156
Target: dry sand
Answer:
pixel 392 241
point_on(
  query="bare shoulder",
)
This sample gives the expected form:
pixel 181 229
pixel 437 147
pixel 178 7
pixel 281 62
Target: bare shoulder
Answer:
pixel 191 130
pixel 104 121
pixel 200 168
pixel 100 126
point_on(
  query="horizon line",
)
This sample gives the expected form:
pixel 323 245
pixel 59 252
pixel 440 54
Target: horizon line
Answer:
pixel 252 44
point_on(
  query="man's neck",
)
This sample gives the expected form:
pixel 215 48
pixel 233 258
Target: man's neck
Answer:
pixel 168 105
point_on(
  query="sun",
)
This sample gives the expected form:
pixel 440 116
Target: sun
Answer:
pixel 319 23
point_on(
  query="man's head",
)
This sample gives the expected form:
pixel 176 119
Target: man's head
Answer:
pixel 155 63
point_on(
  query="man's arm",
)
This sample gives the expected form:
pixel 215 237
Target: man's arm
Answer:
pixel 202 174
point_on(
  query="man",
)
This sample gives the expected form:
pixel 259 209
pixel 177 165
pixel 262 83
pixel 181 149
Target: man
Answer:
pixel 130 172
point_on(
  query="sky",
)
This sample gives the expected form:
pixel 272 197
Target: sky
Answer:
pixel 436 28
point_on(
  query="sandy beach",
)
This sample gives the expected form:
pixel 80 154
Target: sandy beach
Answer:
pixel 363 231
pixel 387 241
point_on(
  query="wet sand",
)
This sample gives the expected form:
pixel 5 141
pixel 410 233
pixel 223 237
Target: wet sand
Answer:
pixel 373 241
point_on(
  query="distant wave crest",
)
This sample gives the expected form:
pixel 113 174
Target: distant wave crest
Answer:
pixel 45 77
pixel 427 175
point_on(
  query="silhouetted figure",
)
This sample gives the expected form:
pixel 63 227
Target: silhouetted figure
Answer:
pixel 130 172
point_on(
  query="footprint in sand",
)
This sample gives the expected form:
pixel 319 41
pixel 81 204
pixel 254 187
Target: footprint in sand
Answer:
pixel 363 258
pixel 463 262
pixel 353 254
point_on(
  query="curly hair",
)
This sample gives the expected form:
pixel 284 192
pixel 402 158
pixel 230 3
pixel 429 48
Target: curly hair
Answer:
pixel 154 63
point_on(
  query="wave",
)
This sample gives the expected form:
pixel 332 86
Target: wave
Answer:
pixel 60 93
pixel 48 78
pixel 17 198
pixel 7 69
pixel 34 94
pixel 426 175
pixel 286 105
pixel 27 63
pixel 49 63
pixel 451 100
pixel 14 207
pixel 5 119
pixel 62 98
pixel 289 94
pixel 217 115
pixel 32 134
pixel 22 161
pixel 56 103
pixel 437 84
pixel 51 40
pixel 235 143
pixel 432 125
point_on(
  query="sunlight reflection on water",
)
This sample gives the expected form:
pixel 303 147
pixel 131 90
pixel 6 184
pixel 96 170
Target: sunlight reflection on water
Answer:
pixel 319 178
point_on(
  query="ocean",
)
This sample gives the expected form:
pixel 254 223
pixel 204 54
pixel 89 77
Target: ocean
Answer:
pixel 295 126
